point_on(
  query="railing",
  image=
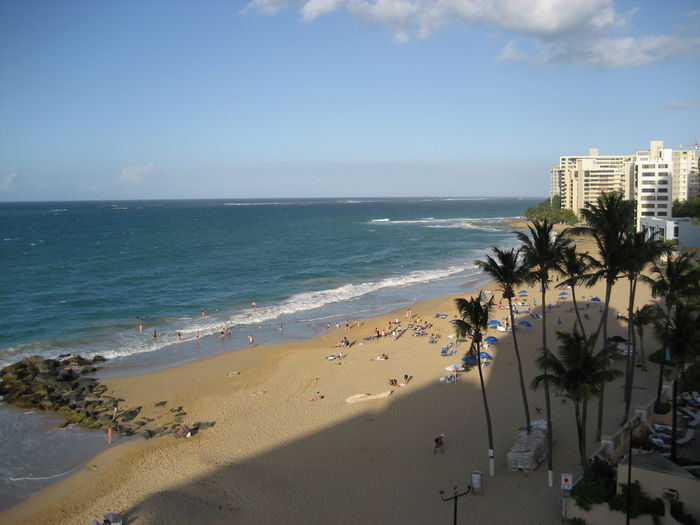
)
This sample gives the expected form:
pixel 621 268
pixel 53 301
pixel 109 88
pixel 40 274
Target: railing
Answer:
pixel 613 448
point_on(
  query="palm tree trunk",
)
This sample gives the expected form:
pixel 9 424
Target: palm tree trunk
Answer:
pixel 642 356
pixel 630 351
pixel 604 324
pixel 579 432
pixel 578 315
pixel 520 366
pixel 674 421
pixel 547 402
pixel 663 355
pixel 584 419
pixel 489 430
pixel 633 357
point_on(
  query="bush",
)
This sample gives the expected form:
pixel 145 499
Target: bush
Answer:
pixel 551 210
pixel 679 514
pixel 690 381
pixel 640 502
pixel 596 486
pixel 662 408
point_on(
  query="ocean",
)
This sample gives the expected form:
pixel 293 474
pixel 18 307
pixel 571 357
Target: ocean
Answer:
pixel 84 277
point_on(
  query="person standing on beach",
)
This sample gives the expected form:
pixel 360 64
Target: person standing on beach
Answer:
pixel 155 334
pixel 251 340
pixel 439 444
pixel 255 306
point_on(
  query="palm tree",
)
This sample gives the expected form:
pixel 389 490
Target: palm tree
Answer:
pixel 572 267
pixel 680 335
pixel 474 318
pixel 608 221
pixel 578 372
pixel 542 253
pixel 641 250
pixel 676 281
pixel 640 318
pixel 509 273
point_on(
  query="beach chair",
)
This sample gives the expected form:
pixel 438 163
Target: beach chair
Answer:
pixel 445 351
pixel 687 437
pixel 689 399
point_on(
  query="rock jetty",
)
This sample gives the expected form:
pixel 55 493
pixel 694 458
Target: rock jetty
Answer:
pixel 59 385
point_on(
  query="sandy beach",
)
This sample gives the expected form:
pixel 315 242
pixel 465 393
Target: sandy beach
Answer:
pixel 288 447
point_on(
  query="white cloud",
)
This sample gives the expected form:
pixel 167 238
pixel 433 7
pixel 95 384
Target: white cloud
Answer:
pixel 7 180
pixel 135 174
pixel 682 104
pixel 554 30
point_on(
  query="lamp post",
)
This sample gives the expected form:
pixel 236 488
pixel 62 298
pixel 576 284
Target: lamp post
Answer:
pixel 455 498
pixel 630 428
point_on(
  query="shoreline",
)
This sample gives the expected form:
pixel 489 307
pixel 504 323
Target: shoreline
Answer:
pixel 264 414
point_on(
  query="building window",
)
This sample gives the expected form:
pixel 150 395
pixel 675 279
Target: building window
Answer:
pixel 648 190
pixel 648 205
pixel 647 214
pixel 661 213
pixel 662 181
pixel 663 190
pixel 648 174
pixel 675 232
pixel 662 198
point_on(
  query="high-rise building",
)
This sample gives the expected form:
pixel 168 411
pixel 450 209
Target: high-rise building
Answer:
pixel 654 178
pixel 685 174
pixel 653 181
pixel 580 179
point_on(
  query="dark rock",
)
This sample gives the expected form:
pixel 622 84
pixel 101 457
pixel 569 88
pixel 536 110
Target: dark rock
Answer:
pixel 203 425
pixel 160 403
pixel 176 409
pixel 88 370
pixel 147 434
pixel 99 359
pixel 129 414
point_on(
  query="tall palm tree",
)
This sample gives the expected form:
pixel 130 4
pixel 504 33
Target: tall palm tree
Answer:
pixel 642 317
pixel 580 373
pixel 573 266
pixel 509 272
pixel 608 220
pixel 676 281
pixel 473 320
pixel 542 253
pixel 642 249
pixel 680 335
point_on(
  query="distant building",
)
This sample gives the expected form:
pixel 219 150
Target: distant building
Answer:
pixel 580 179
pixel 654 178
pixel 653 188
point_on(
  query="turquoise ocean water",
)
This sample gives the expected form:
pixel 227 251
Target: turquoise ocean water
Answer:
pixel 79 277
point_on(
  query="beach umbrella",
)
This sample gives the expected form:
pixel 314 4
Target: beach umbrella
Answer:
pixel 617 339
pixel 525 323
pixel 490 339
pixel 454 368
pixel 485 355
pixel 494 322
pixel 522 292
pixel 596 299
pixel 469 360
pixel 564 293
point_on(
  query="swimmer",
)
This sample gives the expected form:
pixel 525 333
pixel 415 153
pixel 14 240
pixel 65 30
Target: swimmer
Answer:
pixel 255 306
pixel 179 337
pixel 155 334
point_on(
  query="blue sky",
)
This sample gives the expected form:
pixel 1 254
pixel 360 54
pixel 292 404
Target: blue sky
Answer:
pixel 142 99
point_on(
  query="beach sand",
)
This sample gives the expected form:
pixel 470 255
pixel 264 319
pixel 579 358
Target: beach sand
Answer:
pixel 277 456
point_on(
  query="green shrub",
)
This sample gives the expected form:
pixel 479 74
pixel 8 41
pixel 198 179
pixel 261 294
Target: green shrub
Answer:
pixel 640 502
pixel 662 408
pixel 679 514
pixel 596 486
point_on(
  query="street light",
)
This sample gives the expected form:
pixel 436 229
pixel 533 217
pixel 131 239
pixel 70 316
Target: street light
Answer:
pixel 455 498
pixel 630 427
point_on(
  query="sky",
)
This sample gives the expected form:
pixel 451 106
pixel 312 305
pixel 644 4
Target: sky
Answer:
pixel 160 99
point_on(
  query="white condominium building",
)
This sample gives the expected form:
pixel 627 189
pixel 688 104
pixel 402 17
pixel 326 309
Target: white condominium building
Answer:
pixel 685 174
pixel 654 178
pixel 653 175
pixel 580 179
